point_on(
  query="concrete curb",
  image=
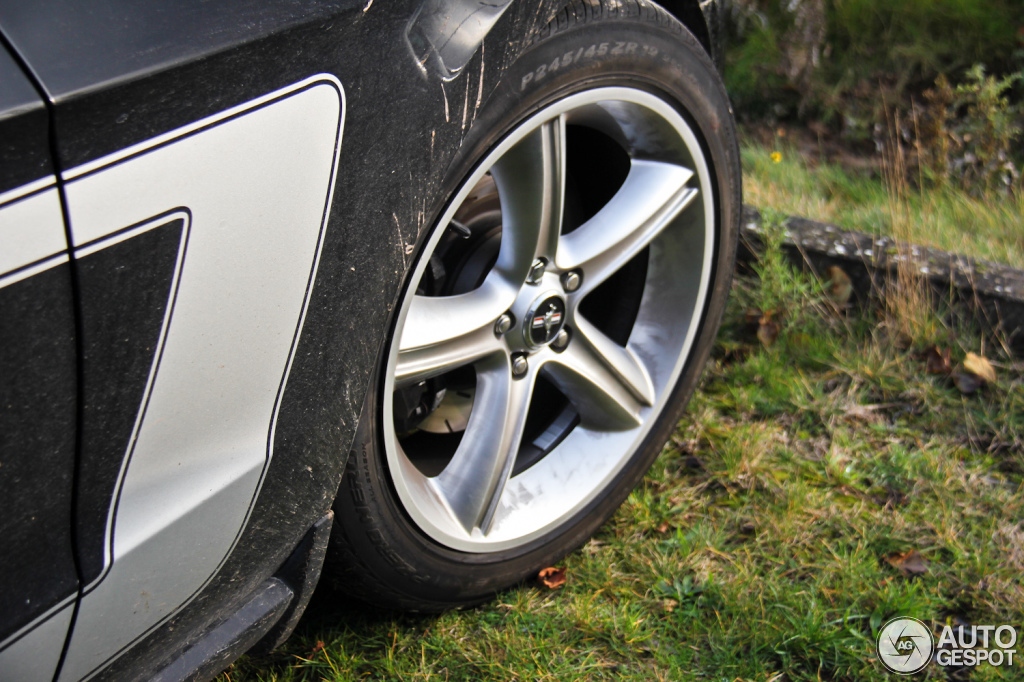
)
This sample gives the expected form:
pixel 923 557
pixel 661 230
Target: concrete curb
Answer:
pixel 991 293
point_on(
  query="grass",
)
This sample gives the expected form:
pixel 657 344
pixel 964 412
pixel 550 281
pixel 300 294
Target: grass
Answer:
pixel 987 227
pixel 756 548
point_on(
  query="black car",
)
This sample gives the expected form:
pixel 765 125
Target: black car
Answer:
pixel 404 295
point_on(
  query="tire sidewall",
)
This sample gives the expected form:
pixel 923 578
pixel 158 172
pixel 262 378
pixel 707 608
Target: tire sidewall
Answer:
pixel 657 55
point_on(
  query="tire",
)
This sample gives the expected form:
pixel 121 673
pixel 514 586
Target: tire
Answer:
pixel 588 247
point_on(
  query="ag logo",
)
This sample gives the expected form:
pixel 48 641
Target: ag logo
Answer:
pixel 905 645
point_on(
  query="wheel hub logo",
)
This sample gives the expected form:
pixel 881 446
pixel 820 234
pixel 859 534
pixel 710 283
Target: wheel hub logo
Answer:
pixel 905 645
pixel 549 321
pixel 545 321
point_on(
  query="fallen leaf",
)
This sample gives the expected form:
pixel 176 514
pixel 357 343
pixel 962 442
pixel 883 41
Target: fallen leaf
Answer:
pixel 840 286
pixel 908 563
pixel 663 527
pixel 981 367
pixel 552 578
pixel 751 319
pixel 937 361
pixel 767 329
pixel 967 382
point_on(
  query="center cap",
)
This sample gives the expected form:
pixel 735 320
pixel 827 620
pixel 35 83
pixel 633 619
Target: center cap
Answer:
pixel 544 321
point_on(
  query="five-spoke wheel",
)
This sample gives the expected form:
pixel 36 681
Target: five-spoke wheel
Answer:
pixel 524 319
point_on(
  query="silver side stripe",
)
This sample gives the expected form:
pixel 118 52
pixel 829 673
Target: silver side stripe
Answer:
pixel 32 236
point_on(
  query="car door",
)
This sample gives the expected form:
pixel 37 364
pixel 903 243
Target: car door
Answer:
pixel 38 391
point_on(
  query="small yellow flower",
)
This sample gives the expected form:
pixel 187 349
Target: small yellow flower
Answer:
pixel 776 157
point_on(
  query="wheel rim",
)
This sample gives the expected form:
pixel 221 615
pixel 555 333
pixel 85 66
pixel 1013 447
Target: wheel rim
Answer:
pixel 663 215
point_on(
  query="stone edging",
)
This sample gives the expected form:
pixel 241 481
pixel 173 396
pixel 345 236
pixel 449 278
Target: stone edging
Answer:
pixel 992 293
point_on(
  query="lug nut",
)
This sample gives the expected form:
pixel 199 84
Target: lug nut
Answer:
pixel 519 366
pixel 536 271
pixel 503 324
pixel 571 281
pixel 561 341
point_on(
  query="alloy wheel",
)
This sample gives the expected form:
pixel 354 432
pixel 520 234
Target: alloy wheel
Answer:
pixel 516 395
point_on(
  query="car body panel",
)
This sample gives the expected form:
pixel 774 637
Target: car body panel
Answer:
pixel 24 131
pixel 254 187
pixel 443 35
pixel 84 54
pixel 38 390
pixel 35 657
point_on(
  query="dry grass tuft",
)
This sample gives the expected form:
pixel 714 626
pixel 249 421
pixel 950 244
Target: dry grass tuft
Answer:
pixel 909 300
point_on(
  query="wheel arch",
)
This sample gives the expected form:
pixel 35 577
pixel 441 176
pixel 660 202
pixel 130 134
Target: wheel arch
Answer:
pixel 702 19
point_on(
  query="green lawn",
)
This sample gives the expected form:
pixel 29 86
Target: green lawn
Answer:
pixel 990 226
pixel 756 548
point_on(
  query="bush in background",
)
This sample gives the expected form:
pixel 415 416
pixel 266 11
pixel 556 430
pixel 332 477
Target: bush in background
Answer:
pixel 969 133
pixel 814 58
pixel 950 70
